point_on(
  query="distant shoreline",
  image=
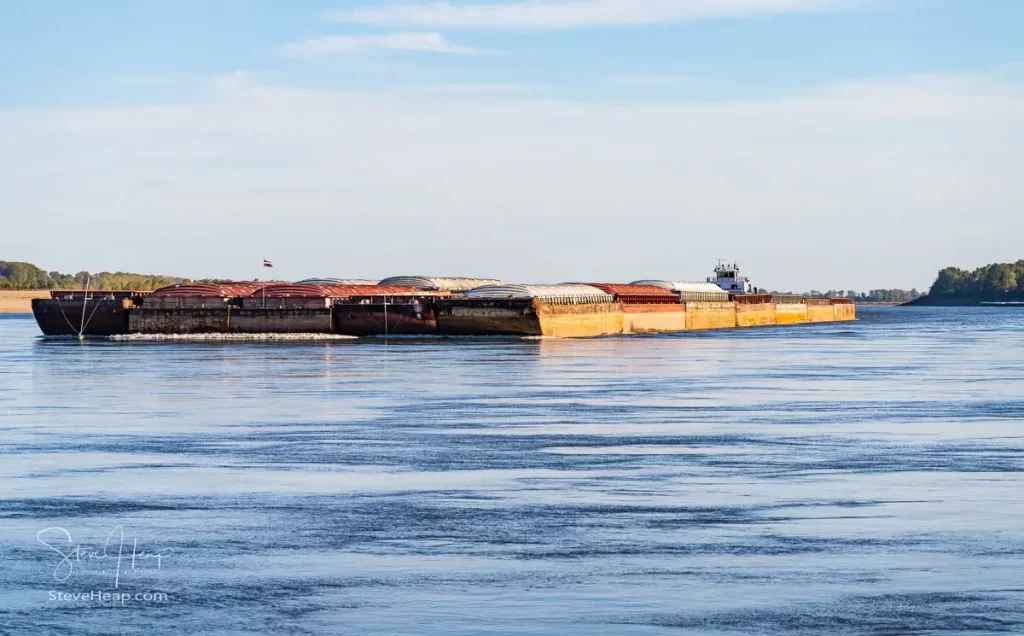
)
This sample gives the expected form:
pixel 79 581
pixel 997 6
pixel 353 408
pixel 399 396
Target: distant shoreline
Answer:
pixel 19 301
pixel 966 301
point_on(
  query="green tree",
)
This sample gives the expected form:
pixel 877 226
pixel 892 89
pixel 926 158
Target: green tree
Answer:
pixel 19 275
pixel 995 282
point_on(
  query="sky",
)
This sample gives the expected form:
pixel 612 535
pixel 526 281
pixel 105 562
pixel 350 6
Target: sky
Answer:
pixel 822 144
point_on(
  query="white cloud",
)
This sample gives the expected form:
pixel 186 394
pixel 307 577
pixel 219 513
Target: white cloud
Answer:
pixel 342 44
pixel 863 184
pixel 568 14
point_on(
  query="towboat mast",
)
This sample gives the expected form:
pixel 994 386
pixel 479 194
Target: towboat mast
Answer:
pixel 727 276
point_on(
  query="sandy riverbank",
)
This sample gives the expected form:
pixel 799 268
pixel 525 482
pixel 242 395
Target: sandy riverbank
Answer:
pixel 19 301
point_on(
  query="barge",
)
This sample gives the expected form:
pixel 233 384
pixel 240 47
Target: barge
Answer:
pixel 86 313
pixel 427 306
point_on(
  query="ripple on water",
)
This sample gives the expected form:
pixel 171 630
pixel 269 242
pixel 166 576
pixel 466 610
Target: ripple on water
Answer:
pixel 861 478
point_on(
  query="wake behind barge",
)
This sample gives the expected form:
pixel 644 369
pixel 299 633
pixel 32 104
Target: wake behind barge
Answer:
pixel 416 305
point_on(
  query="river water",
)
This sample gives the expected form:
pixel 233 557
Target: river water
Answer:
pixel 845 478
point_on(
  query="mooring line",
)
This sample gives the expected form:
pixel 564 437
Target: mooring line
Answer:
pixel 61 307
pixel 86 323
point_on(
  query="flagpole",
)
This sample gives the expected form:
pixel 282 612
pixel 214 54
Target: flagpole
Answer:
pixel 266 264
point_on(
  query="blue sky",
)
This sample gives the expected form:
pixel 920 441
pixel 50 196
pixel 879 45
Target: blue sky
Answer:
pixel 822 143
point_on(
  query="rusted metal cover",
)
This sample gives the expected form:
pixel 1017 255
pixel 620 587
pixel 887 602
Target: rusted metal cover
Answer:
pixel 841 301
pixel 690 291
pixel 787 299
pixel 440 283
pixel 680 285
pixel 332 291
pixel 212 290
pixel 556 294
pixel 751 299
pixel 817 301
pixel 638 294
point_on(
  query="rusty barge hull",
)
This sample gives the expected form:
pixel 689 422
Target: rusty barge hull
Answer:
pixel 488 318
pixel 63 317
pixel 229 320
pixel 536 318
pixel 372 319
pixel 447 317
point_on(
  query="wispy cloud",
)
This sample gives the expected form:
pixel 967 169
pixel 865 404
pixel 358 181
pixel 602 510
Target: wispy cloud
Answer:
pixel 342 44
pixel 568 14
pixel 473 178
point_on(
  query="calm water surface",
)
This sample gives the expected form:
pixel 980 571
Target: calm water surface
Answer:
pixel 861 478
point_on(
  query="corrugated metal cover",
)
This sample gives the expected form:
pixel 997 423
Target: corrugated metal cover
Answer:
pixel 682 286
pixel 335 281
pixel 637 294
pixel 213 290
pixel 440 283
pixel 751 299
pixel 632 289
pixel 568 294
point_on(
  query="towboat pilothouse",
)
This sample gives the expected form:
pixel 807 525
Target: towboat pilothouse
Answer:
pixel 727 276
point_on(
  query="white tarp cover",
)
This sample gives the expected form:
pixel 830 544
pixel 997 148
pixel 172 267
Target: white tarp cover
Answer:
pixel 440 283
pixel 335 281
pixel 564 294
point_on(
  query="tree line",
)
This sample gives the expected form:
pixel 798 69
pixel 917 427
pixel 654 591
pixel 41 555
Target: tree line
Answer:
pixel 998 281
pixel 18 275
pixel 995 282
pixel 872 296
